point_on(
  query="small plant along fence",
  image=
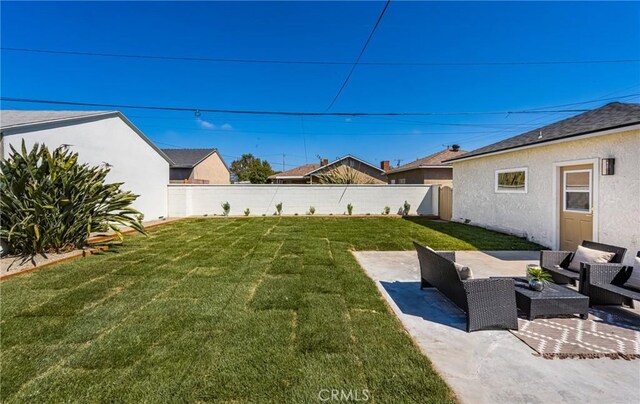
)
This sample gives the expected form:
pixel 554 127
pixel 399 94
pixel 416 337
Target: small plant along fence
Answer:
pixel 259 200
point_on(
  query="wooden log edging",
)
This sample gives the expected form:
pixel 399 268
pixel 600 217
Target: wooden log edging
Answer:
pixel 85 252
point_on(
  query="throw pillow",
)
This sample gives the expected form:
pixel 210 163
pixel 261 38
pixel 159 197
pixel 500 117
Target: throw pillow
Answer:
pixel 463 271
pixel 589 256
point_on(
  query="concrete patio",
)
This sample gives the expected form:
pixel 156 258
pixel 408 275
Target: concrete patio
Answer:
pixel 492 366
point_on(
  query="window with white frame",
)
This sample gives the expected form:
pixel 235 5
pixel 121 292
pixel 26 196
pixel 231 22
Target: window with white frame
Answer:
pixel 577 191
pixel 512 180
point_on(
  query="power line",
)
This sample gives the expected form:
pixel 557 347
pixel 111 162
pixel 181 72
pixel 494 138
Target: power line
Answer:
pixel 521 124
pixel 286 113
pixel 341 121
pixel 314 62
pixel 353 67
pixel 303 132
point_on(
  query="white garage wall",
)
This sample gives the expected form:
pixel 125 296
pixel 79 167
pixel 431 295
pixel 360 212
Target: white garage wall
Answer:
pixel 187 200
pixel 534 214
pixel 111 140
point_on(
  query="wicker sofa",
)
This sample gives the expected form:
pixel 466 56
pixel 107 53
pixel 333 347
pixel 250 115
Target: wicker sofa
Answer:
pixel 488 303
pixel 556 262
pixel 606 284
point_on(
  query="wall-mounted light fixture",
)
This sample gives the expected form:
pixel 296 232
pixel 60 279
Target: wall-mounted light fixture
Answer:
pixel 608 166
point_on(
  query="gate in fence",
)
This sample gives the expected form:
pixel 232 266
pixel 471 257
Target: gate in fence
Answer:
pixel 445 199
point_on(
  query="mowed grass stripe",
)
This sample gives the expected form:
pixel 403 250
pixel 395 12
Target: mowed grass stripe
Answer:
pixel 250 310
pixel 150 263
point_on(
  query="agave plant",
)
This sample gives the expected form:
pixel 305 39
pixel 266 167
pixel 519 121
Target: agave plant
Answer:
pixel 50 202
pixel 343 175
pixel 350 209
pixel 247 212
pixel 279 208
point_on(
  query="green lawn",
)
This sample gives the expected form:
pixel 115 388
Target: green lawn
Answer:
pixel 236 310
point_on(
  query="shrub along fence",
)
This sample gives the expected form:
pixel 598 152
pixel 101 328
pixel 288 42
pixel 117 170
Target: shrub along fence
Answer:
pixel 193 199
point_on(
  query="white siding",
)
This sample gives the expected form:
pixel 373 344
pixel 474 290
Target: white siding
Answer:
pixel 187 200
pixel 111 140
pixel 535 214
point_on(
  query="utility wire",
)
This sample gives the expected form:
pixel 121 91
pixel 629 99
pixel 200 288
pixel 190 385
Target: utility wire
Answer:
pixel 519 124
pixel 313 62
pixel 286 113
pixel 364 48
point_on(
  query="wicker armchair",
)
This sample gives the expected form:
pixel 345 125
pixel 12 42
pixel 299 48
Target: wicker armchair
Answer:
pixel 557 262
pixel 488 303
pixel 605 284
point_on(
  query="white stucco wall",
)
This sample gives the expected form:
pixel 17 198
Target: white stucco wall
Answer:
pixel 535 214
pixel 111 140
pixel 187 200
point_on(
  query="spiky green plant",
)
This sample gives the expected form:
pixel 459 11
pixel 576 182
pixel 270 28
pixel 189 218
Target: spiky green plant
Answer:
pixel 247 212
pixel 312 210
pixel 226 208
pixel 343 175
pixel 50 202
pixel 279 208
pixel 349 209
pixel 539 274
pixel 386 210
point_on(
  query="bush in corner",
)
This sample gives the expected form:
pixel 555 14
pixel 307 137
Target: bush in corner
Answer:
pixel 226 208
pixel 50 202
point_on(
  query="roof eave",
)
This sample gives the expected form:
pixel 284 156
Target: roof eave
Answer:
pixel 594 133
pixel 9 130
pixel 287 177
pixel 82 119
pixel 402 169
pixel 205 157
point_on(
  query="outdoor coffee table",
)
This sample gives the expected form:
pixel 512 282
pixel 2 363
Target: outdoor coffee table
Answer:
pixel 554 300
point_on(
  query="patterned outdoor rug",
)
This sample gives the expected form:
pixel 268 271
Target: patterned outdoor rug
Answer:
pixel 603 335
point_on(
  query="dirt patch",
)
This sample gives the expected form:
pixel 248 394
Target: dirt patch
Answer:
pixel 14 264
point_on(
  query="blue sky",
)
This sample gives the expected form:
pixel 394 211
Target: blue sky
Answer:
pixel 453 32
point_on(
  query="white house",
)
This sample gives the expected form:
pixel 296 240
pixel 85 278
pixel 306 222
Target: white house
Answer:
pixel 98 137
pixel 575 179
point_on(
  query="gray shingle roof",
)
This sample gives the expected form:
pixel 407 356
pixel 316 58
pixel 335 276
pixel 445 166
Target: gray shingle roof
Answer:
pixel 435 159
pixel 306 169
pixel 611 116
pixel 300 171
pixel 187 158
pixel 15 118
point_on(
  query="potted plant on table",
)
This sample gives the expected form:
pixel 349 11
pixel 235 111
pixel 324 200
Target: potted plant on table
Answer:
pixel 538 278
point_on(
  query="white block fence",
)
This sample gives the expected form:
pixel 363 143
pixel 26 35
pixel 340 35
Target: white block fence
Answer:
pixel 194 199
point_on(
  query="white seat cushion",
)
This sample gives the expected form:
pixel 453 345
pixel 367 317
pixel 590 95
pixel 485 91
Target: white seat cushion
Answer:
pixel 634 279
pixel 463 271
pixel 589 256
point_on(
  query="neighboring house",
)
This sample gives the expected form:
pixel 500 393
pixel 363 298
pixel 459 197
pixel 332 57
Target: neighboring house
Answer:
pixel 308 173
pixel 198 166
pixel 427 170
pixel 98 137
pixel 576 179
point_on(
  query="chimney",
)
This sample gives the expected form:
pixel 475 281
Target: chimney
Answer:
pixel 324 162
pixel 384 165
pixel 455 147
